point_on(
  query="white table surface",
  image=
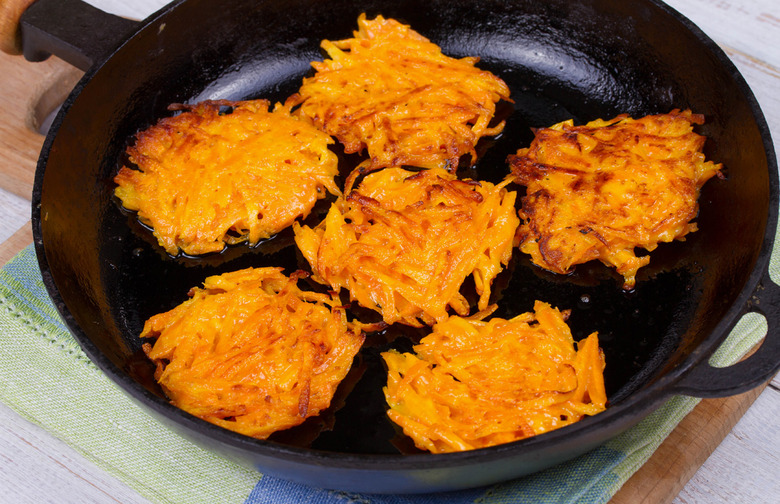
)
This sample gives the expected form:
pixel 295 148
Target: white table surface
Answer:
pixel 36 467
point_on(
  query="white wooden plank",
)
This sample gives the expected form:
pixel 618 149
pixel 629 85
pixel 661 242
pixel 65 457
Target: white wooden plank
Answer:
pixel 36 467
pixel 748 26
pixel 137 9
pixel 744 468
pixel 14 213
pixel 764 81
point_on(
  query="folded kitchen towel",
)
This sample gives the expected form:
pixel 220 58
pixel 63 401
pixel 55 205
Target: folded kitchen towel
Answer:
pixel 46 378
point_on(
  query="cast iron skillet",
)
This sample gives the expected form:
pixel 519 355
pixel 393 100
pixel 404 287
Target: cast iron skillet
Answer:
pixel 562 59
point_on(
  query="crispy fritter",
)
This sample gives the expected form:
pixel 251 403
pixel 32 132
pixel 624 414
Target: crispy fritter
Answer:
pixel 206 178
pixel 601 190
pixel 391 91
pixel 403 243
pixel 474 384
pixel 251 352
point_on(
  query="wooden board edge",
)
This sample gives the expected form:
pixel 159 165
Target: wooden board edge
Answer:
pixel 15 243
pixel 684 451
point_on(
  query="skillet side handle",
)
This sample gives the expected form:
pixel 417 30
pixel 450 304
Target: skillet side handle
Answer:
pixel 708 381
pixel 72 30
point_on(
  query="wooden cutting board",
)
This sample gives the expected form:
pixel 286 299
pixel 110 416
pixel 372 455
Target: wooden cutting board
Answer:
pixel 30 92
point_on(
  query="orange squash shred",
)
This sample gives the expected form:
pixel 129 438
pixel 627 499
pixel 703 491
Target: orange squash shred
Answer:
pixel 403 243
pixel 392 92
pixel 205 179
pixel 404 237
pixel 472 384
pixel 601 190
pixel 251 352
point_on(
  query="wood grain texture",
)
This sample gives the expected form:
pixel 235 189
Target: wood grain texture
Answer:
pixel 745 467
pixel 685 450
pixel 23 87
pixel 16 242
pixel 10 12
pixel 747 26
pixel 16 211
pixel 35 467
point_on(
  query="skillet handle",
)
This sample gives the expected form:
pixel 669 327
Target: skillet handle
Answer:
pixel 705 380
pixel 73 30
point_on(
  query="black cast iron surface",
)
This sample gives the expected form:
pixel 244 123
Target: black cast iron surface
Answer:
pixel 581 60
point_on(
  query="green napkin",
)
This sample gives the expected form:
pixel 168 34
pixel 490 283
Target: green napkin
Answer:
pixel 46 378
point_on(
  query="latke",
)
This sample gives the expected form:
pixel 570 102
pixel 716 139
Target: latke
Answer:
pixel 601 190
pixel 472 384
pixel 403 243
pixel 251 352
pixel 225 172
pixel 392 92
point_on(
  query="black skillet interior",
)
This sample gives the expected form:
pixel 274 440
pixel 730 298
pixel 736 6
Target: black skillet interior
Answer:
pixel 562 59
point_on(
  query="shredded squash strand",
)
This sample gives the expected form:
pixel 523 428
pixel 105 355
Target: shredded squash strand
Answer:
pixel 251 352
pixel 391 91
pixel 601 190
pixel 206 178
pixel 472 384
pixel 403 243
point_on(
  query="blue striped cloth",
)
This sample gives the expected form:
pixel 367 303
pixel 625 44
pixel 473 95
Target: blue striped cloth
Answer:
pixel 46 378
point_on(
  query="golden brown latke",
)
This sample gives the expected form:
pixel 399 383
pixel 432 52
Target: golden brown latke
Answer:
pixel 601 190
pixel 206 179
pixel 251 352
pixel 403 243
pixel 391 91
pixel 472 384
